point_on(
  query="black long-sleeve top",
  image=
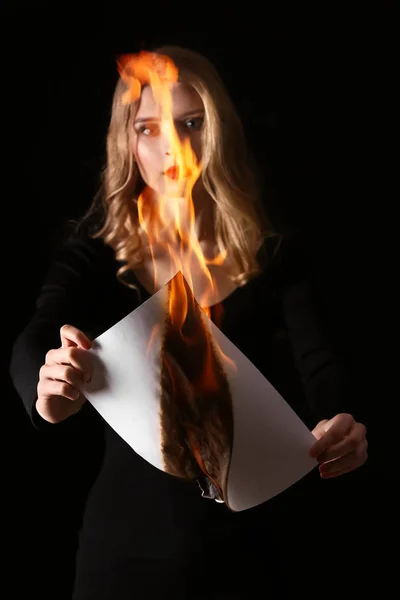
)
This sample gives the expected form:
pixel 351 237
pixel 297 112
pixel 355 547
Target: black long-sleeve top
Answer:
pixel 145 533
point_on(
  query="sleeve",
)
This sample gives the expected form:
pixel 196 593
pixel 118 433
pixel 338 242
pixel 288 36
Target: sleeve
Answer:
pixel 67 295
pixel 324 377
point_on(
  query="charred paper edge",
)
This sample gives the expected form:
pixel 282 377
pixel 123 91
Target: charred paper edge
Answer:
pixel 186 450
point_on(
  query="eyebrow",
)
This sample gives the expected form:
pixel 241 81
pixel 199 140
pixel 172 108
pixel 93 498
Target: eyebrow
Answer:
pixel 189 113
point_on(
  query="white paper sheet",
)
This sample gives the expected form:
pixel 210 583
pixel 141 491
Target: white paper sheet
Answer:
pixel 125 386
pixel 270 442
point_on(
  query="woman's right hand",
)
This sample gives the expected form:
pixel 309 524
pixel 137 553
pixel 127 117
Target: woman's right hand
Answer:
pixel 63 375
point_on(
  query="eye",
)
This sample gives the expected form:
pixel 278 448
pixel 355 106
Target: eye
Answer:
pixel 194 123
pixel 148 129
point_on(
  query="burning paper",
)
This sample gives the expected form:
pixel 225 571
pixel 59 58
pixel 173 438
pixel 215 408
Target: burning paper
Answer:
pixel 191 404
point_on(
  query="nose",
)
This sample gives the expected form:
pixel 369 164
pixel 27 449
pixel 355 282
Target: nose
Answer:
pixel 165 142
pixel 168 138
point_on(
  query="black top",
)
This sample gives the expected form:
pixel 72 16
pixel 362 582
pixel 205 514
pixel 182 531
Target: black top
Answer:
pixel 146 534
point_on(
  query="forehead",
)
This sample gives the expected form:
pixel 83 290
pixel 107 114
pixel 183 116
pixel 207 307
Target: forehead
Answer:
pixel 184 99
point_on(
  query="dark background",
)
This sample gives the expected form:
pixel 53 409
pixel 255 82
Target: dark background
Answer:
pixel 314 89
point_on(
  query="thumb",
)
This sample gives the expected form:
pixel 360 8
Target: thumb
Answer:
pixel 320 429
pixel 71 336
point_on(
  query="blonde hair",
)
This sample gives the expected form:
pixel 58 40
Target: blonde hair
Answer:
pixel 240 225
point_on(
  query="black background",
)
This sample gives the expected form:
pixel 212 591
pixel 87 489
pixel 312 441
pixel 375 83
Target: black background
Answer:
pixel 314 89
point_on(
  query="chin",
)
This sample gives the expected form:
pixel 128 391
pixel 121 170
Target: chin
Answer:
pixel 175 189
pixel 169 188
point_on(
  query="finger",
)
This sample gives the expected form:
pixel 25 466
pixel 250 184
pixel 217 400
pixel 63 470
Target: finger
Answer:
pixel 333 474
pixel 76 357
pixel 349 444
pixel 65 373
pixel 352 467
pixel 353 459
pixel 61 388
pixel 319 430
pixel 338 464
pixel 335 430
pixel 71 336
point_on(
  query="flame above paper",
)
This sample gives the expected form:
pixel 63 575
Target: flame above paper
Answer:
pixel 196 406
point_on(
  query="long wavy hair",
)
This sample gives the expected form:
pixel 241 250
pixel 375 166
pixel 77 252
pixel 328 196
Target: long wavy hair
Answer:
pixel 240 223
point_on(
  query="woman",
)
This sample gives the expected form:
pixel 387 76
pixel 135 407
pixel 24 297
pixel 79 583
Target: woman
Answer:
pixel 146 534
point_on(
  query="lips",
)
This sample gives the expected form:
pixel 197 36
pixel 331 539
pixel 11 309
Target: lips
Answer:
pixel 172 172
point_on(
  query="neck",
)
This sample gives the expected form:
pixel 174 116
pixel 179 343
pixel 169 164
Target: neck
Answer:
pixel 177 213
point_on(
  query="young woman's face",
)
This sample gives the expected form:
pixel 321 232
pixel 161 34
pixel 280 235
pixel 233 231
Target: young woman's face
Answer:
pixel 152 150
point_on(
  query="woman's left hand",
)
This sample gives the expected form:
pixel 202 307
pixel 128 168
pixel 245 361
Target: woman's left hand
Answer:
pixel 341 446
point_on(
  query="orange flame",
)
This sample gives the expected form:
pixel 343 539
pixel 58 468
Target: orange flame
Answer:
pixel 145 68
pixel 161 74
